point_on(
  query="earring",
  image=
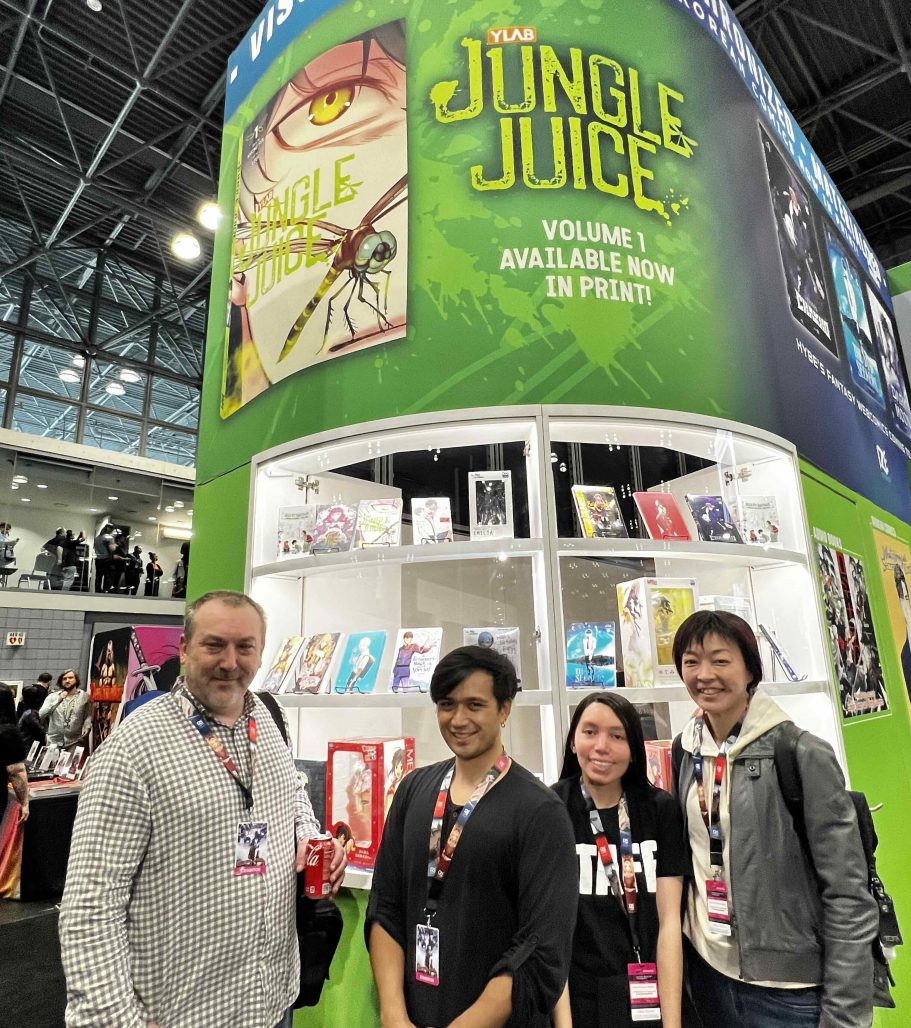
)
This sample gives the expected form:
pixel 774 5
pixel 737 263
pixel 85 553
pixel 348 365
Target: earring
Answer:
pixel 502 724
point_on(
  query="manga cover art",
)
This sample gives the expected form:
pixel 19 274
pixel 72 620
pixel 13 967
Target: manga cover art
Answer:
pixel 379 523
pixel 798 244
pixel 360 662
pixel 284 656
pixel 417 652
pixel 890 359
pixel 503 640
pixel 599 512
pixel 334 531
pixel 590 655
pixel 296 526
pixel 431 520
pixel 758 520
pixel 320 234
pixel 490 504
pixel 310 670
pixel 661 515
pixel 713 519
pixel 855 326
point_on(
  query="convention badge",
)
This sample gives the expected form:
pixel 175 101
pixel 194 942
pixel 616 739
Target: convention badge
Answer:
pixel 251 848
pixel 642 980
pixel 427 955
pixel 719 907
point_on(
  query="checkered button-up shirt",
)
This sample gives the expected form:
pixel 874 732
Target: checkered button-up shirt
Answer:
pixel 154 925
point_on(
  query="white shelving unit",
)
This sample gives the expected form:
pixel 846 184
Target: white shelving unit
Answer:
pixel 540 583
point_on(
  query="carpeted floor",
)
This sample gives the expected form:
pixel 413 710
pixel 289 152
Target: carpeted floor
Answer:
pixel 31 976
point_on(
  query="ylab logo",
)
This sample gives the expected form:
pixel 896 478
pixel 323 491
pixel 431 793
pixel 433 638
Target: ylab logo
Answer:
pixel 883 461
pixel 512 34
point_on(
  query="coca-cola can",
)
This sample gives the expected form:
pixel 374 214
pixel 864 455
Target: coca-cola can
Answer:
pixel 318 862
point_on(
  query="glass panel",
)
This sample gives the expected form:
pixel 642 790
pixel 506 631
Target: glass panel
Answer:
pixel 38 416
pixel 51 369
pixel 136 346
pixel 174 402
pixel 7 343
pixel 117 387
pixel 49 313
pixel 174 353
pixel 166 444
pixel 112 432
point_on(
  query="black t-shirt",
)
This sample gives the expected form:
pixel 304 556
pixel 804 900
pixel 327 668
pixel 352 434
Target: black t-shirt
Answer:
pixel 12 751
pixel 602 945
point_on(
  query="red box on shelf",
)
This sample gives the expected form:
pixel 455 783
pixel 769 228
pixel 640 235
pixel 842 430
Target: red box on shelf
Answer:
pixel 361 778
pixel 658 763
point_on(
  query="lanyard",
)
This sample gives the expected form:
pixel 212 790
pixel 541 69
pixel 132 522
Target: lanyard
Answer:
pixel 625 891
pixel 712 820
pixel 441 855
pixel 218 748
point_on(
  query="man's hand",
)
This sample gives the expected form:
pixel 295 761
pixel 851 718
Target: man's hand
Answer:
pixel 336 865
pixel 23 814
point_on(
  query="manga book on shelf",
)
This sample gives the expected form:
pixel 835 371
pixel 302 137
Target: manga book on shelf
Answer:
pixel 798 244
pixel 598 512
pixel 503 640
pixel 714 522
pixel 296 526
pixel 431 520
pixel 360 663
pixel 854 323
pixel 490 504
pixel 334 530
pixel 312 666
pixel 591 659
pixel 417 652
pixel 379 523
pixel 758 520
pixel 886 336
pixel 661 515
pixel 281 664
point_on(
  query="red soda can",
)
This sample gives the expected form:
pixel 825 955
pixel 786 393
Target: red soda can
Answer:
pixel 316 870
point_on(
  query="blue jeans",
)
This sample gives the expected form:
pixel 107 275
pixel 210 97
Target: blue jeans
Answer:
pixel 288 1020
pixel 723 1002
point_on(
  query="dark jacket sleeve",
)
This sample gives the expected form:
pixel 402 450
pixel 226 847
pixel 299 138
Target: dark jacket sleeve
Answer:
pixel 850 915
pixel 548 897
pixel 386 906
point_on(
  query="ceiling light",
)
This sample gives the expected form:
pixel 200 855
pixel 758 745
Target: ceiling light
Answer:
pixel 94 5
pixel 79 360
pixel 69 375
pixel 179 503
pixel 24 499
pixel 115 389
pixel 176 533
pixel 21 479
pixel 93 510
pixel 129 375
pixel 15 485
pixel 152 518
pixel 41 485
pixel 170 510
pixel 113 497
pixel 209 215
pixel 185 246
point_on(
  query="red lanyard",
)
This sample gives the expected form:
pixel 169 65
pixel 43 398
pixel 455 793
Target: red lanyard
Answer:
pixel 218 748
pixel 441 855
pixel 713 822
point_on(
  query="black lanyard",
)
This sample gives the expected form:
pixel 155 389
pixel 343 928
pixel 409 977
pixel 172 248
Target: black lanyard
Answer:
pixel 712 819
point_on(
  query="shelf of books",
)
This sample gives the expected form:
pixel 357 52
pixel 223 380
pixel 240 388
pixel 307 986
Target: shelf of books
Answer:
pixel 575 542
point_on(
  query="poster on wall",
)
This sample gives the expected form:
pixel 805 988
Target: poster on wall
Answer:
pixel 319 252
pixel 128 665
pixel 852 638
pixel 895 568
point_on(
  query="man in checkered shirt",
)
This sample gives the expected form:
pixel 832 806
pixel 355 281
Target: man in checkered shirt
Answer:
pixel 170 919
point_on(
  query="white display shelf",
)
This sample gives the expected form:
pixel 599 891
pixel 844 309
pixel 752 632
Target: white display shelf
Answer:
pixel 529 698
pixel 677 693
pixel 730 554
pixel 321 563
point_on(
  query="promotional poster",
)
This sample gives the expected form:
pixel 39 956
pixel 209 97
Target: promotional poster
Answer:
pixel 895 570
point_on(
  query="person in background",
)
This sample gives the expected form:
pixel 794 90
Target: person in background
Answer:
pixel 777 939
pixel 33 697
pixel 7 705
pixel 153 575
pixel 63 550
pixel 12 765
pixel 133 570
pixel 67 713
pixel 103 545
pixel 119 561
pixel 43 684
pixel 629 898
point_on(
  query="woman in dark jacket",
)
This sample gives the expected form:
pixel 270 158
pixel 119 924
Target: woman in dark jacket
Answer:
pixel 29 723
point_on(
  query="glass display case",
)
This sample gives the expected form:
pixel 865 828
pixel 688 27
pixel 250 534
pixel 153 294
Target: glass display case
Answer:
pixel 573 539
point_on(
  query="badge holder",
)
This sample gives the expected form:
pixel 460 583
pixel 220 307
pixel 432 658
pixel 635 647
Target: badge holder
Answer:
pixel 251 848
pixel 427 954
pixel 642 982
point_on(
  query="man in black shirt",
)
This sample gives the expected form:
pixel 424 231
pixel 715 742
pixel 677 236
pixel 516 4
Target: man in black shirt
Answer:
pixel 480 935
pixel 63 550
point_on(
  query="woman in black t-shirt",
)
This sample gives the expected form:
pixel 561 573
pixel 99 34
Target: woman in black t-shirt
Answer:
pixel 605 754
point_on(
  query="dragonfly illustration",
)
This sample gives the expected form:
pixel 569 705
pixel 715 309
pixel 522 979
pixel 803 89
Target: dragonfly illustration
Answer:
pixel 362 252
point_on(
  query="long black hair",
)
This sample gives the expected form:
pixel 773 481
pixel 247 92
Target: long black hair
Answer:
pixel 635 777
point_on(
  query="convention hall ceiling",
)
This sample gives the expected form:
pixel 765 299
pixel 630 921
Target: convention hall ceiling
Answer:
pixel 109 143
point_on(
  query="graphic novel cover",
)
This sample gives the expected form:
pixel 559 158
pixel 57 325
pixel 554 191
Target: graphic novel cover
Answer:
pixel 713 519
pixel 490 504
pixel 661 515
pixel 890 359
pixel 431 520
pixel 801 255
pixel 598 512
pixel 379 523
pixel 312 666
pixel 854 323
pixel 591 658
pixel 296 526
pixel 757 519
pixel 320 219
pixel 284 657
pixel 417 652
pixel 334 530
pixel 503 640
pixel 360 663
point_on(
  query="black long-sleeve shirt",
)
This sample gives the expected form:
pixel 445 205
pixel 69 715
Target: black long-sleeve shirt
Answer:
pixel 508 905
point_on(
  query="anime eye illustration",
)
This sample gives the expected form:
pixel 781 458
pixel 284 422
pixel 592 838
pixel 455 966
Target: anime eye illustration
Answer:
pixel 330 105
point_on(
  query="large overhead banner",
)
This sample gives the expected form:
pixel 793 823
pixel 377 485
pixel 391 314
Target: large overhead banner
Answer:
pixel 438 205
